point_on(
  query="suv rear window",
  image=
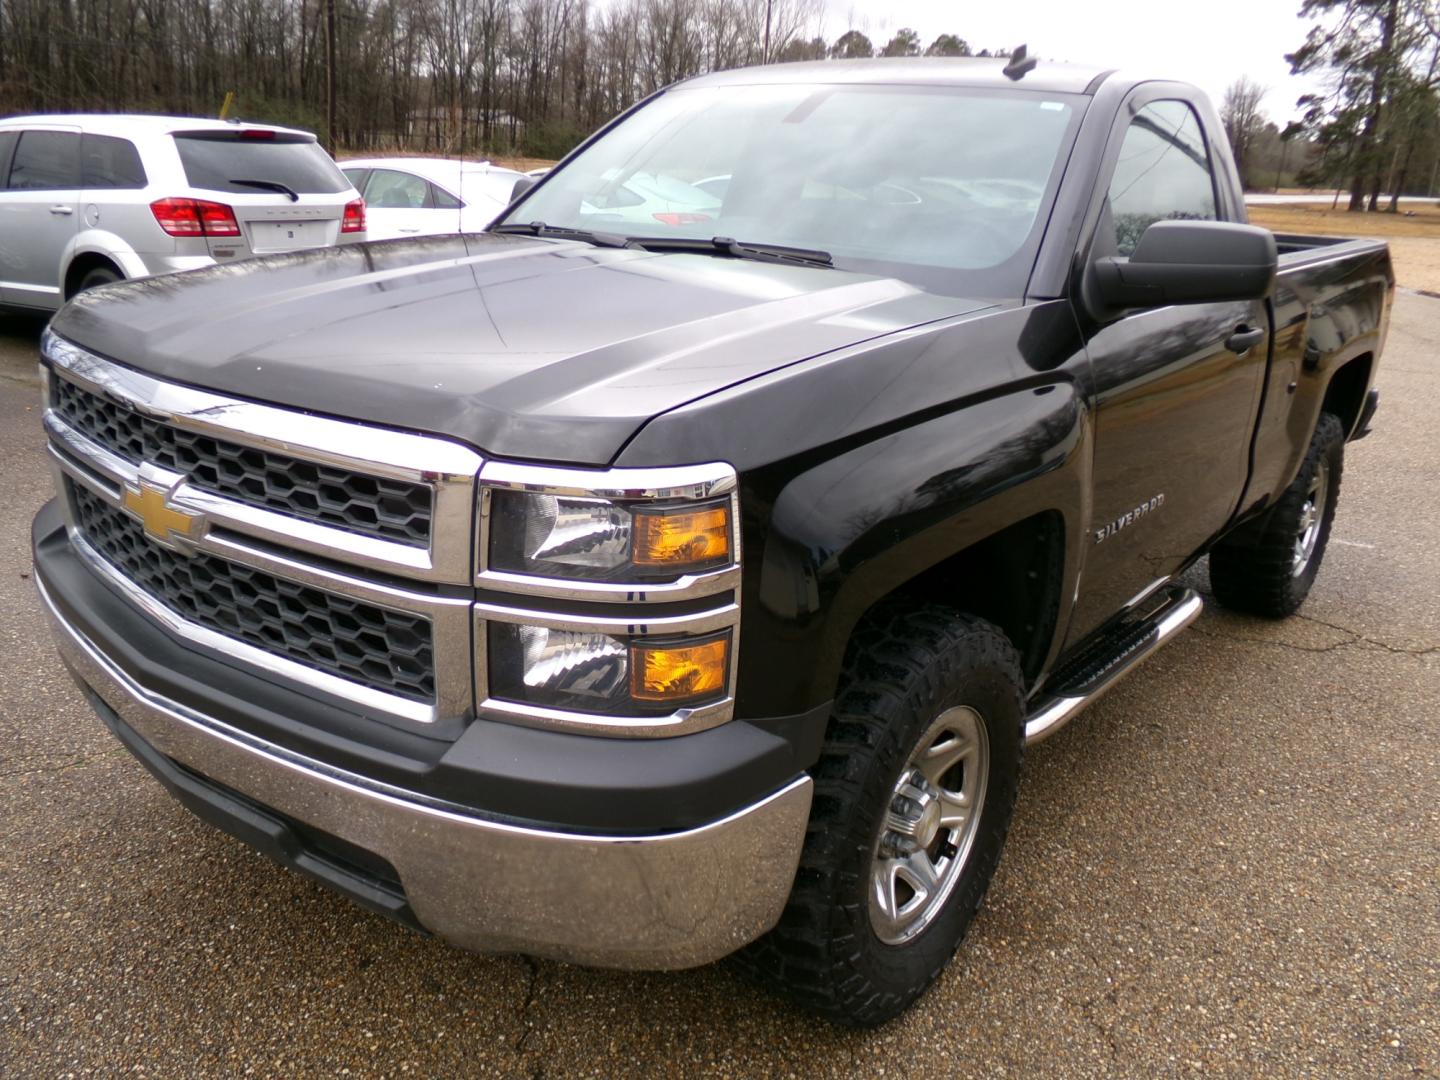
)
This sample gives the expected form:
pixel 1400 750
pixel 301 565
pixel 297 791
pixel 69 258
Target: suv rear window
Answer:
pixel 215 162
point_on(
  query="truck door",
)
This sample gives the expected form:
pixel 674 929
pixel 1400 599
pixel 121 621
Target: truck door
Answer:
pixel 1175 389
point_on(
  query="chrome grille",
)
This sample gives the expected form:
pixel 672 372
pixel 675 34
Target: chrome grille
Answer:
pixel 387 650
pixel 391 509
pixel 389 625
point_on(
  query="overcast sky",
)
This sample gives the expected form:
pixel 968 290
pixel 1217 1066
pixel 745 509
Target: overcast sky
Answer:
pixel 1222 40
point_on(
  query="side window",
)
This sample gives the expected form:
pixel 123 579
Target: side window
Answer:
pixel 443 199
pixel 391 190
pixel 1163 173
pixel 8 139
pixel 107 162
pixel 356 178
pixel 46 161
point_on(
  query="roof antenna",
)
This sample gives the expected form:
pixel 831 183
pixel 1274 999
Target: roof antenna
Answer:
pixel 1020 65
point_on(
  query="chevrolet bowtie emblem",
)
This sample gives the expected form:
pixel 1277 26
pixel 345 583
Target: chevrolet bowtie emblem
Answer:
pixel 162 521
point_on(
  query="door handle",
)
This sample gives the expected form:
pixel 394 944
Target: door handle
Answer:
pixel 408 230
pixel 64 210
pixel 1244 339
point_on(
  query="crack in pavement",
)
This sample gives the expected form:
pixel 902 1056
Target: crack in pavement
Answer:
pixel 1355 641
pixel 76 763
pixel 531 992
pixel 1109 996
pixel 1355 634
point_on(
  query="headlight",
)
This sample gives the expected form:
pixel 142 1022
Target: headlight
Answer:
pixel 610 598
pixel 594 672
pixel 593 539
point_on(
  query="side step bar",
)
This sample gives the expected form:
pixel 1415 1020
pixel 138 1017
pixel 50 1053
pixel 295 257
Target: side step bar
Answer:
pixel 1181 608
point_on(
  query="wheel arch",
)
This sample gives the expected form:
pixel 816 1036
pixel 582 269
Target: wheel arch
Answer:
pixel 1346 391
pixel 82 264
pixel 95 247
pixel 1013 578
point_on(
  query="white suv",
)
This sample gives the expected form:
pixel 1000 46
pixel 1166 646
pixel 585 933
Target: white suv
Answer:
pixel 86 200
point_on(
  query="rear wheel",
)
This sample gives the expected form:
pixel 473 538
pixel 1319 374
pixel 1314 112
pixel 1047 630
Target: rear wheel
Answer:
pixel 95 277
pixel 914 792
pixel 1269 571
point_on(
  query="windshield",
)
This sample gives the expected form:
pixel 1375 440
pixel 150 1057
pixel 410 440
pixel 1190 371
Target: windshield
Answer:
pixel 940 184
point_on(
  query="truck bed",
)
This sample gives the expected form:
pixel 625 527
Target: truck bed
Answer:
pixel 1296 249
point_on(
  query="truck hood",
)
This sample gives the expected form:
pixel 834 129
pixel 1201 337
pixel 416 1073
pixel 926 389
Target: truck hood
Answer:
pixel 523 348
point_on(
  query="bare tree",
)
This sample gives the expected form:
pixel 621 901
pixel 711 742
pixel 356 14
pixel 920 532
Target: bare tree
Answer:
pixel 450 76
pixel 1243 120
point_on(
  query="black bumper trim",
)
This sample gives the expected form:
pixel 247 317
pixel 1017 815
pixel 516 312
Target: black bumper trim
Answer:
pixel 324 858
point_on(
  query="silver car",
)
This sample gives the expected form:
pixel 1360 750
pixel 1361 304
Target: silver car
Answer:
pixel 86 200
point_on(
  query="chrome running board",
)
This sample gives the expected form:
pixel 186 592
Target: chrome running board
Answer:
pixel 1181 607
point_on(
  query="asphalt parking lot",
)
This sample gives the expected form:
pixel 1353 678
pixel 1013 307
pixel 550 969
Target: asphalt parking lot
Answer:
pixel 1231 866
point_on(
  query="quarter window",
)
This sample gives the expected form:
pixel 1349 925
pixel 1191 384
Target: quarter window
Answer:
pixel 1163 173
pixel 46 161
pixel 107 162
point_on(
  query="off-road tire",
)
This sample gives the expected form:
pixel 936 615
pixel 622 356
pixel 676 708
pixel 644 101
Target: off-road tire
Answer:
pixel 1255 571
pixel 904 667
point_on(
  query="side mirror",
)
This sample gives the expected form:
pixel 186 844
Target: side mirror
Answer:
pixel 1189 262
pixel 522 185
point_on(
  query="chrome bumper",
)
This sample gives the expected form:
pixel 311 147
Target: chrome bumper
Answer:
pixel 673 900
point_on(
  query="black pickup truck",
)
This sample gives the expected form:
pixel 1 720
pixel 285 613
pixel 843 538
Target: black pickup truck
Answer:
pixel 679 567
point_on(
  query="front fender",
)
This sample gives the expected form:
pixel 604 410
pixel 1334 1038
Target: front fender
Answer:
pixel 850 531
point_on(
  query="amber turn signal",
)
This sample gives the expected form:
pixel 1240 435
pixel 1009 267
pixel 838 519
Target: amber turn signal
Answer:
pixel 684 540
pixel 677 673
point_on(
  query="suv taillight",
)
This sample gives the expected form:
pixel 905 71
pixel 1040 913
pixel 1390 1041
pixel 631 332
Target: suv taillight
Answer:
pixel 195 217
pixel 681 218
pixel 354 219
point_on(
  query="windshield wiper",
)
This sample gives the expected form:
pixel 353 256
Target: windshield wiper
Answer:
pixel 560 232
pixel 723 245
pixel 270 185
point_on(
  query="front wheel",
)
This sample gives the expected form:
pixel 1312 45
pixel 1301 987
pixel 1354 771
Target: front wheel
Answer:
pixel 914 792
pixel 1269 571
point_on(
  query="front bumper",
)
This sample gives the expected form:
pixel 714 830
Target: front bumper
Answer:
pixel 671 900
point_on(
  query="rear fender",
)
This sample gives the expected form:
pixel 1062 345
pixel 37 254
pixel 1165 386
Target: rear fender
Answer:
pixel 1326 315
pixel 106 244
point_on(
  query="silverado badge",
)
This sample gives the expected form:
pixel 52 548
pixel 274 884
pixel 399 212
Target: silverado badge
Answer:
pixel 1128 518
